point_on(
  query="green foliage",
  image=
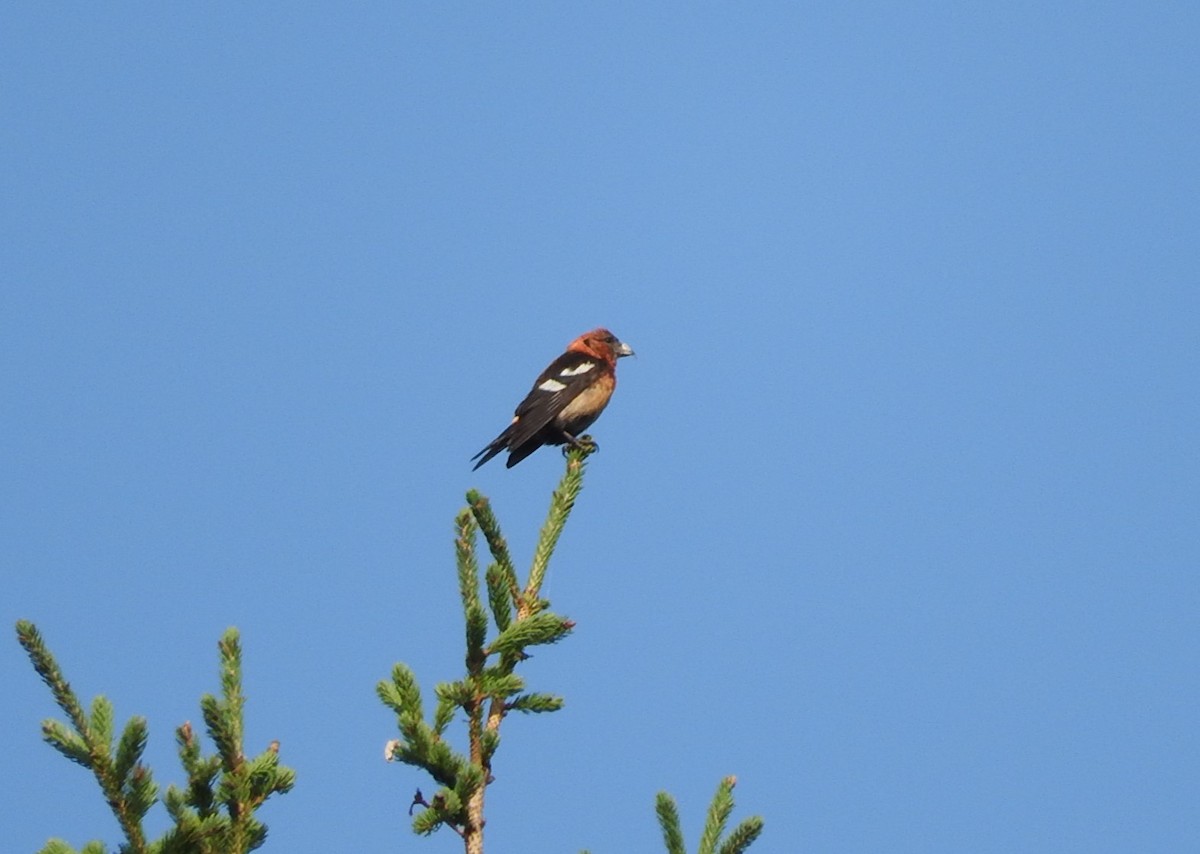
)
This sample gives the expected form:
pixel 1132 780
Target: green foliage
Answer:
pixel 536 703
pixel 668 819
pixel 561 504
pixel 490 689
pixel 500 596
pixel 719 810
pixel 535 629
pixel 215 813
pixel 57 846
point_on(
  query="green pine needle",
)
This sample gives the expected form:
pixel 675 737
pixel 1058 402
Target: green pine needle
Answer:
pixel 741 837
pixel 131 747
pixel 500 595
pixel 668 820
pixel 496 683
pixel 481 508
pixel 718 814
pixel 70 745
pixel 488 691
pixel 536 703
pixel 100 723
pixel 47 668
pixel 215 812
pixel 543 628
pixel 561 504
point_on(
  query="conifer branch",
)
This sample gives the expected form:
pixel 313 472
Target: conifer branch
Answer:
pixel 490 689
pixel 215 813
pixel 718 814
pixel 534 630
pixel 668 820
pixel 90 743
pixel 58 846
pixel 501 597
pixel 481 508
pixel 742 835
pixel 468 568
pixel 561 504
pixel 535 703
pixel 714 825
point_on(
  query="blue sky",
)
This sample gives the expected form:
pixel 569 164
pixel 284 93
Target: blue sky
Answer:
pixel 895 511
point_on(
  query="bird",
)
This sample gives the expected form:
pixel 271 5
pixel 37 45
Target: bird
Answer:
pixel 565 399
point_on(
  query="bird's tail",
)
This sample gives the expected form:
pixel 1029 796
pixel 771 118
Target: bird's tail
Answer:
pixel 500 443
pixel 487 453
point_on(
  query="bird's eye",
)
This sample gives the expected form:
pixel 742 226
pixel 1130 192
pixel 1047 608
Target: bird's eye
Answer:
pixel 610 339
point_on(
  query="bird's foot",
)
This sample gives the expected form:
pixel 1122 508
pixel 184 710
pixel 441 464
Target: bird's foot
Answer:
pixel 583 443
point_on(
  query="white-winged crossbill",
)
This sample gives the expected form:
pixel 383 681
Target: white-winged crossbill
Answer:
pixel 564 401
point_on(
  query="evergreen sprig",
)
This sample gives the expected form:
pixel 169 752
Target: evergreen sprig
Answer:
pixel 505 573
pixel 215 813
pixel 490 689
pixel 561 504
pixel 126 784
pixel 668 819
pixel 719 810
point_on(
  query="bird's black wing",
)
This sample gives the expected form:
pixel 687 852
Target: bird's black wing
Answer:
pixel 565 379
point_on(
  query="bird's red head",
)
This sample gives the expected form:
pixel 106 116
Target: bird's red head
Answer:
pixel 601 344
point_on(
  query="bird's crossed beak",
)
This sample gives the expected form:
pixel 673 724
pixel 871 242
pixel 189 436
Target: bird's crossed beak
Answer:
pixel 623 349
